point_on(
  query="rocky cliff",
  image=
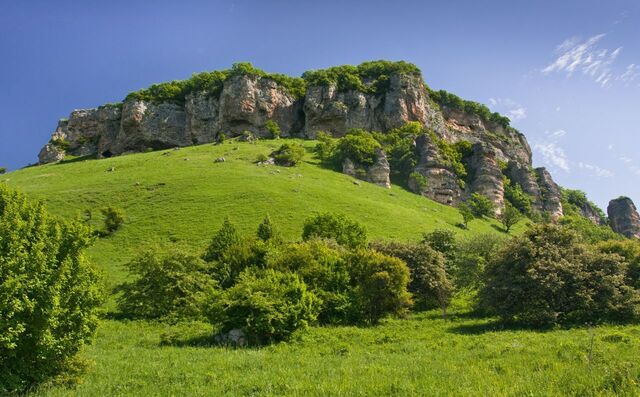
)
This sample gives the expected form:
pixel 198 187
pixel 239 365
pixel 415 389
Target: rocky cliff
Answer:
pixel 624 217
pixel 374 96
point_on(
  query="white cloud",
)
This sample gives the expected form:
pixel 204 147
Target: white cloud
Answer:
pixel 631 73
pixel 625 159
pixel 556 133
pixel 595 170
pixel 575 55
pixel 553 155
pixel 508 107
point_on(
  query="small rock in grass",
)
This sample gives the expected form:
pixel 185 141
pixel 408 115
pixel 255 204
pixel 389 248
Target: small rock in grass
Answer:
pixel 111 169
pixel 356 182
pixel 219 160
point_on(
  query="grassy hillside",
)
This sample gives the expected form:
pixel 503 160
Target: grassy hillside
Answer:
pixel 181 197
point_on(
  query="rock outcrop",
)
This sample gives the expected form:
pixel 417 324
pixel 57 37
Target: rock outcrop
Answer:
pixel 247 102
pixel 624 217
pixel 377 173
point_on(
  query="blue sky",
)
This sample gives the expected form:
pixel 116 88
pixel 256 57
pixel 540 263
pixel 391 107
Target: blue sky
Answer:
pixel 566 72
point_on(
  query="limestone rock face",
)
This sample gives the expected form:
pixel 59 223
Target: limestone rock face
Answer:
pixel 624 217
pixel 50 153
pixel 377 173
pixel 202 117
pixel 488 179
pixel 588 211
pixel 436 180
pixel 550 193
pixel 524 176
pixel 327 109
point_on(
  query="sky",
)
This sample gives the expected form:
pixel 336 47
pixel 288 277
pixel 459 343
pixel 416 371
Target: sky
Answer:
pixel 567 73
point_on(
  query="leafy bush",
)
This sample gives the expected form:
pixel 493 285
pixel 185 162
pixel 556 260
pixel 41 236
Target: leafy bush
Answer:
pixel 321 266
pixel 467 214
pixel 358 146
pixel 49 293
pixel 471 257
pixel 547 277
pixel 261 158
pixel 289 154
pixel 170 286
pixel 326 147
pixel 379 286
pixel 3 170
pixel 455 155
pixel 338 227
pixel 429 282
pixel 399 145
pixel 590 232
pixel 273 128
pixel 510 216
pixel 573 201
pixel 113 219
pixel 448 100
pixel 267 305
pixel 514 194
pixel 630 251
pixel 224 238
pixel 266 230
pixel 443 241
pixel 481 206
pixel 245 253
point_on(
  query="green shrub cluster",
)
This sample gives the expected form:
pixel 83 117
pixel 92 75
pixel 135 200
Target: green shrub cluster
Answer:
pixel 212 83
pixel 359 146
pixel 454 155
pixel 548 277
pixel 49 293
pixel 514 194
pixel 574 200
pixel 339 228
pixel 368 77
pixel 289 154
pixel 452 101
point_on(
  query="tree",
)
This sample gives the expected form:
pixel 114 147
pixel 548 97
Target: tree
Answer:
pixel 443 241
pixel 338 227
pixel 510 216
pixel 49 293
pixel 481 206
pixel 548 277
pixel 2 170
pixel 113 219
pixel 268 305
pixel 467 214
pixel 266 230
pixel 289 154
pixel 170 286
pixel 226 236
pixel 273 128
pixel 379 286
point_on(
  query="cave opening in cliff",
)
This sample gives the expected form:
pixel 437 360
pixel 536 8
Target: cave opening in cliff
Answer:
pixel 107 154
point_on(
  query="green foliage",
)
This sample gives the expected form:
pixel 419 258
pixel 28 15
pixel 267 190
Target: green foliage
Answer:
pixel 289 154
pixel 449 100
pixel 211 83
pixel 171 286
pixel 48 293
pixel 546 277
pixel 338 227
pixel 273 128
pixel 471 257
pixel 467 214
pixel 368 77
pixel 267 305
pixel 573 201
pixel 261 158
pixel 514 194
pixel 399 145
pixel 630 251
pixel 510 216
pixel 379 286
pixel 113 219
pixel 481 206
pixel 454 155
pixel 443 241
pixel 587 230
pixel 359 146
pixel 266 230
pixel 234 259
pixel 429 284
pixel 321 266
pixel 226 236
pixel 326 147
pixel 420 180
pixel 60 143
pixel 3 170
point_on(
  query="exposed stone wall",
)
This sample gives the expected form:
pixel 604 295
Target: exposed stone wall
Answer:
pixel 624 217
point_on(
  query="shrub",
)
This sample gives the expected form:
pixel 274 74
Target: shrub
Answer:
pixel 379 286
pixel 443 241
pixel 338 227
pixel 322 267
pixel 326 147
pixel 261 158
pixel 245 253
pixel 448 100
pixel 588 231
pixel 467 214
pixel 273 128
pixel 547 277
pixel 481 206
pixel 514 195
pixel 630 251
pixel 289 154
pixel 267 305
pixel 429 284
pixel 358 146
pixel 471 257
pixel 113 219
pixel 3 170
pixel 510 217
pixel 224 238
pixel 49 293
pixel 170 286
pixel 266 230
pixel 399 145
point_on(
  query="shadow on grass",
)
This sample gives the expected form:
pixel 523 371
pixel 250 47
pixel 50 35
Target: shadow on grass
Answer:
pixel 78 159
pixel 498 228
pixel 492 326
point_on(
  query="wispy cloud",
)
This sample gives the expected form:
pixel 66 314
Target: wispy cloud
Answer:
pixel 628 162
pixel 556 133
pixel 631 73
pixel 553 155
pixel 595 170
pixel 587 57
pixel 508 107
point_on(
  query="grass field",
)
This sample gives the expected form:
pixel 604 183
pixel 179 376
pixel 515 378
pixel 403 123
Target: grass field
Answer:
pixel 181 197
